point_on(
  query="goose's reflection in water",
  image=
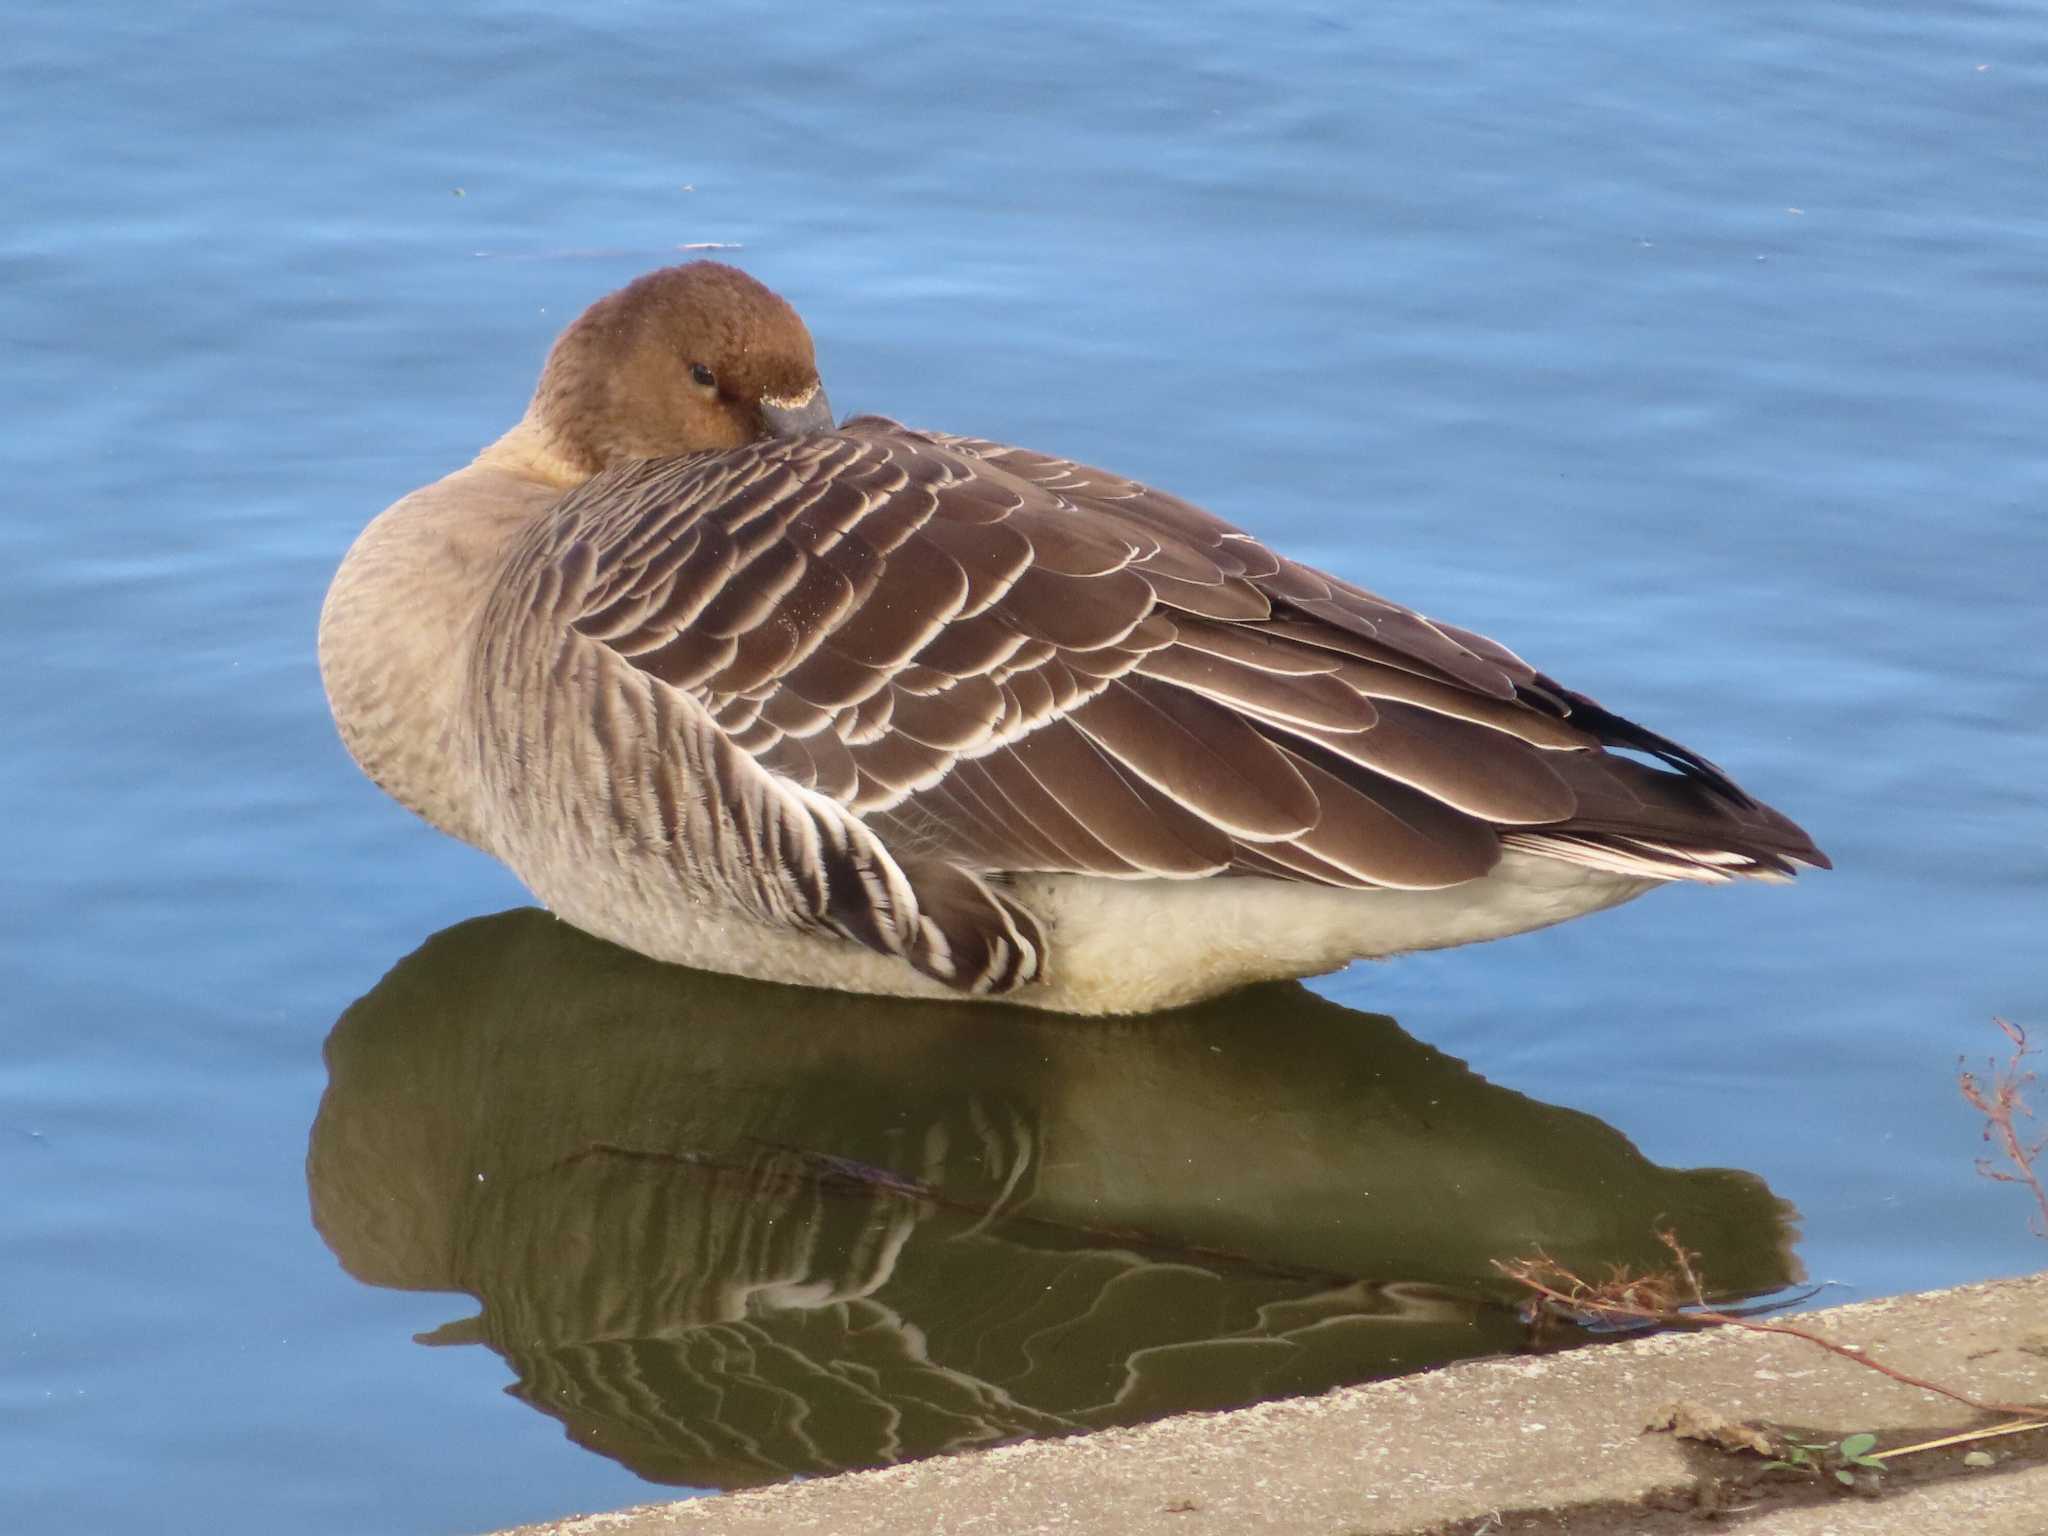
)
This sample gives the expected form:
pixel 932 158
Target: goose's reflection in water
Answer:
pixel 728 1232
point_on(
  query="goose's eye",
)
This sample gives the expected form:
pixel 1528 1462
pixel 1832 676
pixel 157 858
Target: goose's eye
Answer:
pixel 704 376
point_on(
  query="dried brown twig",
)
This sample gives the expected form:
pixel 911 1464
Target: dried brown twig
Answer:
pixel 1675 1299
pixel 2002 1101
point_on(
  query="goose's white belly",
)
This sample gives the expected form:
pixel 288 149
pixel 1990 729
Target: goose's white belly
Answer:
pixel 1118 946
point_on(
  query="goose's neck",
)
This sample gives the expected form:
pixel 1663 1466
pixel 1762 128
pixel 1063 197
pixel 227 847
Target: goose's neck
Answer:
pixel 397 627
pixel 528 452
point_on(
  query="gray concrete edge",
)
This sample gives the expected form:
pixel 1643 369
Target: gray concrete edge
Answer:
pixel 1478 1439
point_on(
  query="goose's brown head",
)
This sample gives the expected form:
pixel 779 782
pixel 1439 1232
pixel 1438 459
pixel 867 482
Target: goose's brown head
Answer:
pixel 684 359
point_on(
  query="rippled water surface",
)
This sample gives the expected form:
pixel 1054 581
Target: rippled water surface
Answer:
pixel 1698 359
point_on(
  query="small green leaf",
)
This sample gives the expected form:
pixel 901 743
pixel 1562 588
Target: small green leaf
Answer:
pixel 1857 1445
pixel 1846 1479
pixel 1875 1463
pixel 1977 1459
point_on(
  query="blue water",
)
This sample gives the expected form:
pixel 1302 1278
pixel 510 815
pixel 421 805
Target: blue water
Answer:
pixel 1697 357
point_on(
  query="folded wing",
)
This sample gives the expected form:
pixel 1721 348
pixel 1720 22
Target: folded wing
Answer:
pixel 930 662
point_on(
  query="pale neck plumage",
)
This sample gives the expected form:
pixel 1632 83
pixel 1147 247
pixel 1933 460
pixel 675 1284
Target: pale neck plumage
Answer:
pixel 529 452
pixel 396 629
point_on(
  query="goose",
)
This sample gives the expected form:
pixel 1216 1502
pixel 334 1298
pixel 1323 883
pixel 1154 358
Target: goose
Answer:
pixel 865 707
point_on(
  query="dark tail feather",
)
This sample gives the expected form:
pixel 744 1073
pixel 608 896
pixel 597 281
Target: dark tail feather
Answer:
pixel 1686 819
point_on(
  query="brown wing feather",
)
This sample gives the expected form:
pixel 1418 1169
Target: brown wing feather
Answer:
pixel 1002 662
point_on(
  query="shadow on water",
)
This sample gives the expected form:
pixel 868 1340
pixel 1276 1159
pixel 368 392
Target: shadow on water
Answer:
pixel 728 1232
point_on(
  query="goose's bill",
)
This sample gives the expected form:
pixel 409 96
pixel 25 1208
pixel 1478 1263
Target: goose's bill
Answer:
pixel 796 418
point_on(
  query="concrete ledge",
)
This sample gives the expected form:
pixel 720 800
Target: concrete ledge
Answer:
pixel 1550 1443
